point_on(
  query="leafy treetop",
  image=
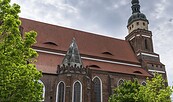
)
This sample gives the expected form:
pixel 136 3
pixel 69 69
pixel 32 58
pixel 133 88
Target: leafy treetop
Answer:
pixel 154 91
pixel 18 74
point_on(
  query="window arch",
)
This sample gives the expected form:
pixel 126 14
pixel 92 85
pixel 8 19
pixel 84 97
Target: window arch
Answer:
pixel 144 83
pixel 97 89
pixel 77 92
pixel 120 82
pixel 60 95
pixel 43 95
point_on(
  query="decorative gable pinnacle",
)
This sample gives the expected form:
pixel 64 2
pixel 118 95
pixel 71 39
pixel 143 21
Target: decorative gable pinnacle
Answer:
pixel 72 56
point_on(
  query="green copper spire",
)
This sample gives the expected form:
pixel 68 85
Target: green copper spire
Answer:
pixel 135 1
pixel 72 56
pixel 136 14
pixel 135 6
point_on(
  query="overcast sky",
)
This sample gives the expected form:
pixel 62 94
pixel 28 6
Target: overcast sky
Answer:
pixel 109 18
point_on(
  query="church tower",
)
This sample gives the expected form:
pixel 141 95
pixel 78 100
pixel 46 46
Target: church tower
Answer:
pixel 140 38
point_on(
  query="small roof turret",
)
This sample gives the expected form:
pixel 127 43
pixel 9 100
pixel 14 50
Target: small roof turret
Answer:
pixel 72 56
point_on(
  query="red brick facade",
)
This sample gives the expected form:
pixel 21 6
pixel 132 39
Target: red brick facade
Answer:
pixel 109 82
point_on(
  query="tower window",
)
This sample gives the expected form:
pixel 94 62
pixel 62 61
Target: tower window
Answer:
pixel 137 23
pixel 146 44
pixel 130 28
pixel 143 23
pixel 132 25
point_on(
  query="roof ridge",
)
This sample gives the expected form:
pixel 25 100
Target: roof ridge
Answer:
pixel 78 30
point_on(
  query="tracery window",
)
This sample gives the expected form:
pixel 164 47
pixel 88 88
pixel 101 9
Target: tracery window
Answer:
pixel 77 92
pixel 61 92
pixel 120 82
pixel 97 90
pixel 43 95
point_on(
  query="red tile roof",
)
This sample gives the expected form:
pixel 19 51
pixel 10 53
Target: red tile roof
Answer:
pixel 47 63
pixel 89 44
pixel 117 68
pixel 56 38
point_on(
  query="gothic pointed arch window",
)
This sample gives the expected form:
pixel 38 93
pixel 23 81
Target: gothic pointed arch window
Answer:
pixel 43 95
pixel 60 95
pixel 77 92
pixel 120 82
pixel 97 85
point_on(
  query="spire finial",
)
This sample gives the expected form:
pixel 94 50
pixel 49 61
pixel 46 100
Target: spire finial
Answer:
pixel 72 56
pixel 135 1
pixel 73 39
pixel 135 6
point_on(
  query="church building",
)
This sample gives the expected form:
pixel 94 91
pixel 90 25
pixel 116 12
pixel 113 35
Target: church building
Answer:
pixel 79 66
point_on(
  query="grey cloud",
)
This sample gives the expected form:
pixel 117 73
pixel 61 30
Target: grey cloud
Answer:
pixel 170 20
pixel 100 13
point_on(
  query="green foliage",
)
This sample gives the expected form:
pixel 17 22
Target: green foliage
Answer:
pixel 154 91
pixel 125 92
pixel 18 74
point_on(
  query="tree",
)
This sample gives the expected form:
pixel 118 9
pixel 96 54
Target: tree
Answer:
pixel 154 91
pixel 126 92
pixel 18 74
